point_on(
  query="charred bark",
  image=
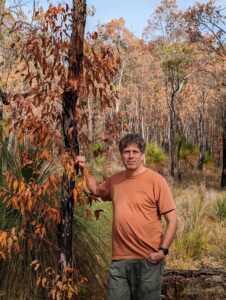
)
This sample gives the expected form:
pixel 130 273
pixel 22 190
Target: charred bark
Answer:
pixel 172 142
pixel 201 142
pixel 70 134
pixel 1 129
pixel 67 201
pixel 178 160
pixel 201 133
pixel 223 176
pixel 3 100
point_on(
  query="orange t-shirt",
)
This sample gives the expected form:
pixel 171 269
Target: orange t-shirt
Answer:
pixel 138 203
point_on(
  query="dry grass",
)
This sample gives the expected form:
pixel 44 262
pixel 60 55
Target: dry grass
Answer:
pixel 200 241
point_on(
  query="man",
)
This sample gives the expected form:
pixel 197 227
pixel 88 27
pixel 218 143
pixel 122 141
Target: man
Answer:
pixel 139 197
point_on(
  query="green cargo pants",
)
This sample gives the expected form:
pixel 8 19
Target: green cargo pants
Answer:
pixel 135 279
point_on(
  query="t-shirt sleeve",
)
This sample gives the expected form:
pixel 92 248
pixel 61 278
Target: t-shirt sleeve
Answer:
pixel 165 198
pixel 103 189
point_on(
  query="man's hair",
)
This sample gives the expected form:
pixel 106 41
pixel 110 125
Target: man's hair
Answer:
pixel 132 138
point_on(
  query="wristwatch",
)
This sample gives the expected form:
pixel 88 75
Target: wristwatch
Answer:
pixel 164 250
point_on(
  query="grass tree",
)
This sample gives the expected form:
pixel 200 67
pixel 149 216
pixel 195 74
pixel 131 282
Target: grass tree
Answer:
pixel 29 239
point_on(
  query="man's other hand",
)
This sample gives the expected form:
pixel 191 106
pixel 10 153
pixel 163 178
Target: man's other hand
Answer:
pixel 81 161
pixel 156 257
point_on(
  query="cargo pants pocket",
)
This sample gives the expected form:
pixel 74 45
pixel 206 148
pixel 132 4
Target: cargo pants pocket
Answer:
pixel 150 281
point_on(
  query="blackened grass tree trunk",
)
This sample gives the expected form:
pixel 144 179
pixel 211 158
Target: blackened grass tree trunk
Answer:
pixel 1 136
pixel 69 126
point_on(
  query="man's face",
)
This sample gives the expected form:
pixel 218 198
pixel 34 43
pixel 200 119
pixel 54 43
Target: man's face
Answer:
pixel 131 157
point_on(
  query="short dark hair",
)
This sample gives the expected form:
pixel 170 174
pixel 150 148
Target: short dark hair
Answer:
pixel 132 138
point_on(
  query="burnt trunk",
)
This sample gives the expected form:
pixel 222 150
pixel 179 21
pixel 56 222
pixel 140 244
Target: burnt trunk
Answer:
pixel 201 141
pixel 178 161
pixel 2 7
pixel 223 176
pixel 1 129
pixel 68 184
pixel 172 143
pixel 70 134
pixel 3 100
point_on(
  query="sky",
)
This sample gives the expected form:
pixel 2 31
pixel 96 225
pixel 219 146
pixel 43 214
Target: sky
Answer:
pixel 134 12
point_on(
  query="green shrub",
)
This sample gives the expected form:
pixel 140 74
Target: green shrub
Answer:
pixel 188 149
pixel 100 161
pixel 97 148
pixel 208 158
pixel 155 154
pixel 221 209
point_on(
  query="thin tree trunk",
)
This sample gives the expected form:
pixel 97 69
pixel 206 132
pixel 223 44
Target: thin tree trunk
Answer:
pixel 137 124
pixel 70 135
pixel 1 128
pixel 201 141
pixel 3 100
pixel 2 6
pixel 172 137
pixel 178 160
pixel 223 176
pixel 118 100
pixel 90 119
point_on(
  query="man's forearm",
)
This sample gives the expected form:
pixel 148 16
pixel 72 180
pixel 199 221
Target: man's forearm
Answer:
pixel 171 228
pixel 91 181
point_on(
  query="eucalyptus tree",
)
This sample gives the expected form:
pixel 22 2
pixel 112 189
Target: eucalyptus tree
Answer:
pixel 175 56
pixel 205 26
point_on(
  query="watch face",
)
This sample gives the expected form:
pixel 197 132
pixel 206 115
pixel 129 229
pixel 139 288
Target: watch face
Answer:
pixel 164 250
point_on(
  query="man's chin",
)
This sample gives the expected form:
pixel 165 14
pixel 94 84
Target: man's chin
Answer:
pixel 131 167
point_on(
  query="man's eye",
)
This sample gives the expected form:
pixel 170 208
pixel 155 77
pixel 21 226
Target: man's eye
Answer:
pixel 133 152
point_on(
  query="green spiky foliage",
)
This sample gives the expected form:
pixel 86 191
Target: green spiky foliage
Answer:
pixel 90 251
pixel 97 148
pixel 17 279
pixel 155 154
